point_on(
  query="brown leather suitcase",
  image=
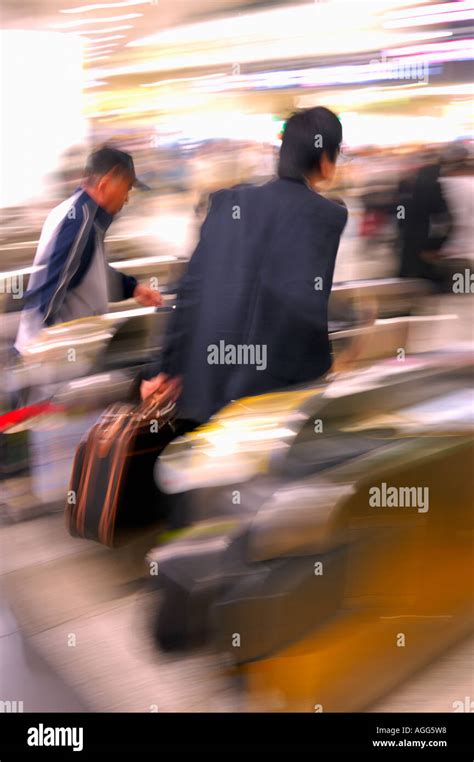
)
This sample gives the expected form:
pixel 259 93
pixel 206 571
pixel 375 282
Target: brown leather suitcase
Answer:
pixel 112 489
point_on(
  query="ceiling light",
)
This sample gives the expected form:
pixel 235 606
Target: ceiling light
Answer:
pixel 99 6
pixel 178 80
pixel 435 18
pixel 105 45
pixel 430 9
pixel 71 24
pixel 112 37
pixel 96 58
pixel 94 83
pixel 105 31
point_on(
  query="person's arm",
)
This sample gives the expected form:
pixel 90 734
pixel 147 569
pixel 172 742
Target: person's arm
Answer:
pixel 301 277
pixel 123 286
pixel 66 254
pixel 164 376
pixel 169 367
pixel 165 373
pixel 296 283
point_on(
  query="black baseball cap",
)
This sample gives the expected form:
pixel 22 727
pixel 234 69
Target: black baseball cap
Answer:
pixel 107 158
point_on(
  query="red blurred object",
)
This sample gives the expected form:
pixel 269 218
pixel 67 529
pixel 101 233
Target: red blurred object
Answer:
pixel 371 223
pixel 14 417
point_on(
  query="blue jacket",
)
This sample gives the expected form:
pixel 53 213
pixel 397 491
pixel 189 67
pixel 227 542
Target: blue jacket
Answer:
pixel 252 309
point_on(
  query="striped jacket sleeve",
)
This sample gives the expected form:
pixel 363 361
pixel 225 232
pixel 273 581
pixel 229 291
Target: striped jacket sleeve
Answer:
pixel 64 259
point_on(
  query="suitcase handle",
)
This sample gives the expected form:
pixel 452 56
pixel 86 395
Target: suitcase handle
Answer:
pixel 147 408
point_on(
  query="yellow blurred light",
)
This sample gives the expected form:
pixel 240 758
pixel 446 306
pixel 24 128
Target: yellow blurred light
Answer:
pixel 278 24
pixel 251 51
pixel 271 35
pixel 179 80
pixel 383 129
pixel 366 96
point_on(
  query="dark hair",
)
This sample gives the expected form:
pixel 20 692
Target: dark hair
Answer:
pixel 308 134
pixel 107 159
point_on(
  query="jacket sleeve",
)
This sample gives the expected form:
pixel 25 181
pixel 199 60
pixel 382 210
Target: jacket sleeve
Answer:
pixel 302 291
pixel 181 320
pixel 64 259
pixel 295 289
pixel 171 360
pixel 121 286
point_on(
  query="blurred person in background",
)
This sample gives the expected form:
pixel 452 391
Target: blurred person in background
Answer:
pixel 426 224
pixel 73 278
pixel 260 276
pixel 457 182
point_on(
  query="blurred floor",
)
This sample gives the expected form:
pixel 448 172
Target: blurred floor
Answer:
pixel 25 676
pixel 437 688
pixel 61 587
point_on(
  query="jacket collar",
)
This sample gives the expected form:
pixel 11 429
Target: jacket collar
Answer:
pixel 102 218
pixel 293 180
pixel 304 183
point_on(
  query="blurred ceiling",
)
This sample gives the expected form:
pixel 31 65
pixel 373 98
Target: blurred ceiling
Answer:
pixel 108 27
pixel 149 56
pixel 157 14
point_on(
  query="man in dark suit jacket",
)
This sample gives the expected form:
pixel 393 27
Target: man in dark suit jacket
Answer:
pixel 252 309
pixel 426 226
